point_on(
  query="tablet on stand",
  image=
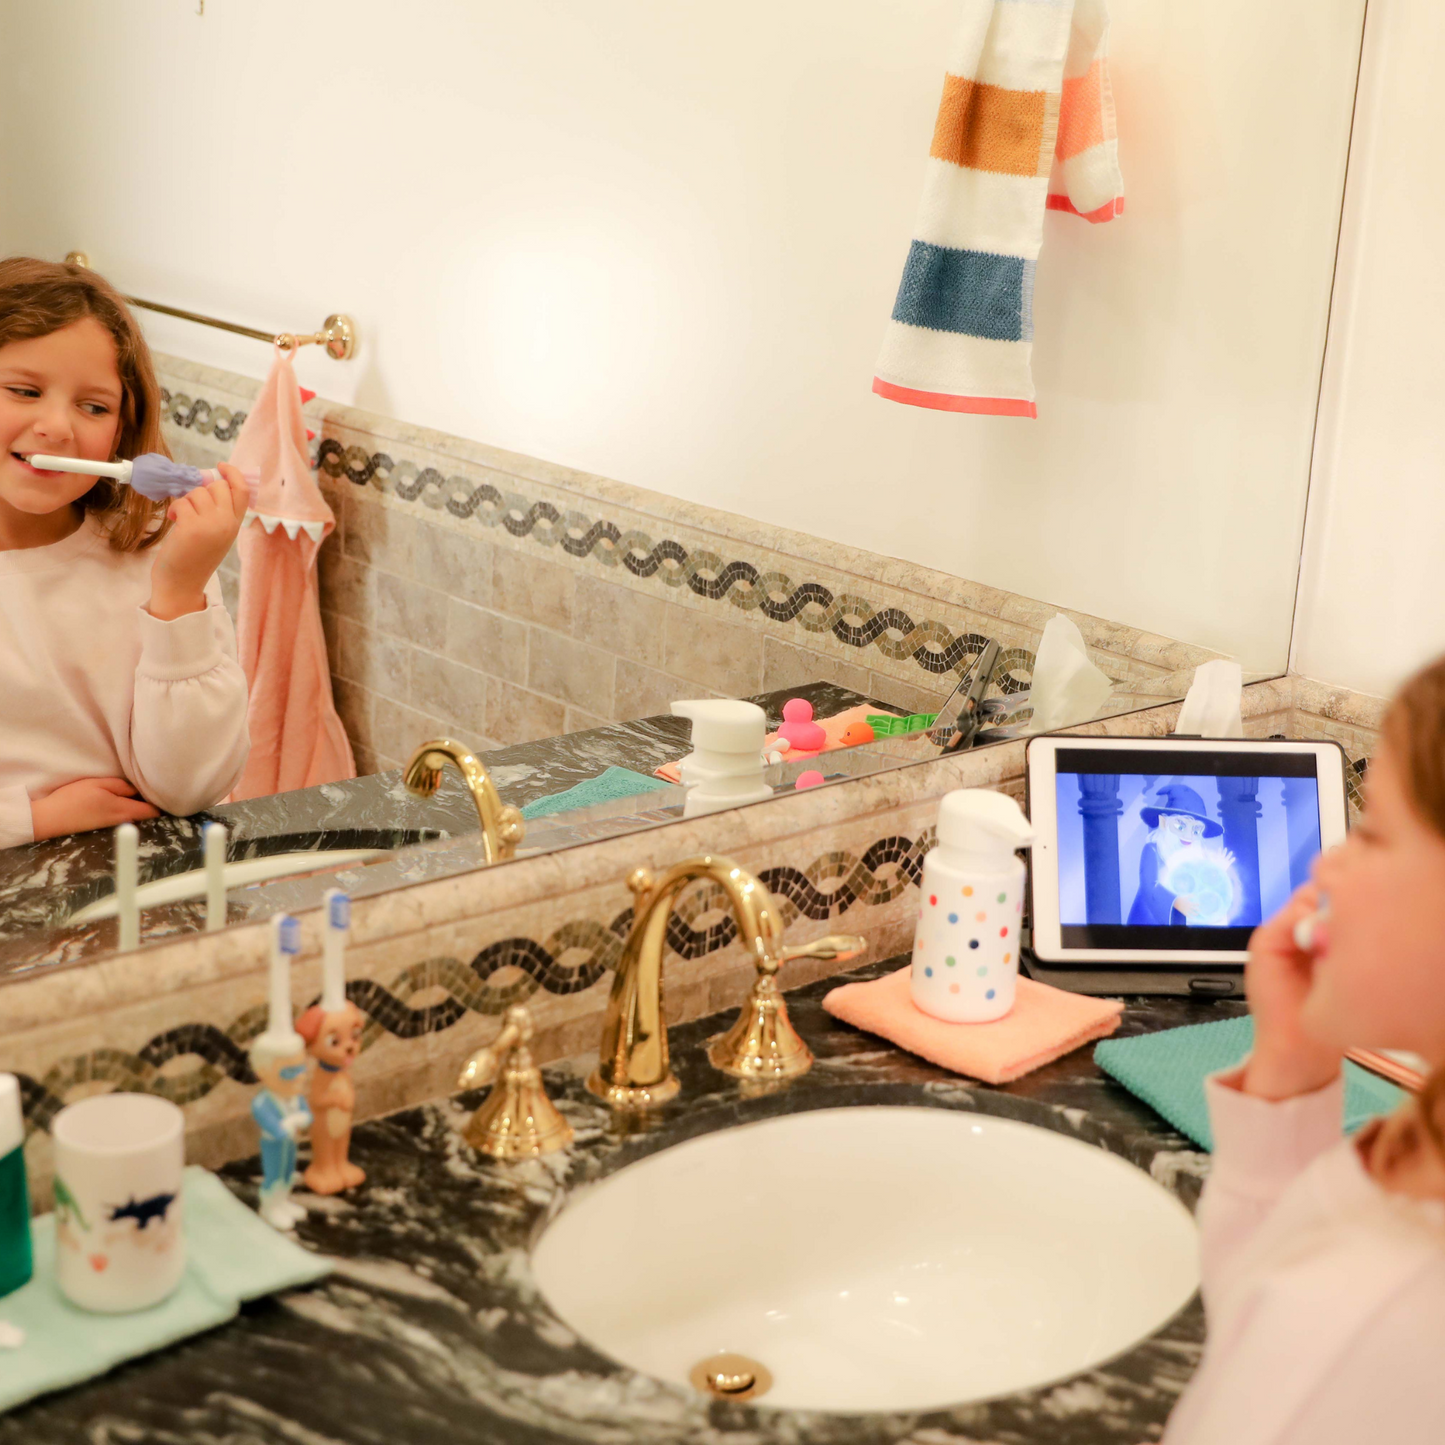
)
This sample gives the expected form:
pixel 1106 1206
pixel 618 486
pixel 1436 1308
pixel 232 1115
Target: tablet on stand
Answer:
pixel 1155 859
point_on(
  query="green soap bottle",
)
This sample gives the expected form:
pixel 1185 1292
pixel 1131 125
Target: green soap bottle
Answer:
pixel 16 1266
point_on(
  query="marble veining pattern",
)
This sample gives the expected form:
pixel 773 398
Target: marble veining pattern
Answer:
pixel 573 958
pixel 41 884
pixel 432 1330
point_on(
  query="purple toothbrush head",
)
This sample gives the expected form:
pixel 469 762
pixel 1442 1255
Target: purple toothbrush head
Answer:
pixel 161 479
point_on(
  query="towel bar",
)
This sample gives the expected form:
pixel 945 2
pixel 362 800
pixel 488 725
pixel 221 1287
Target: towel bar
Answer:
pixel 337 334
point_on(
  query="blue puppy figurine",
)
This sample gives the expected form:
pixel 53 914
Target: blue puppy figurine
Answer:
pixel 280 1110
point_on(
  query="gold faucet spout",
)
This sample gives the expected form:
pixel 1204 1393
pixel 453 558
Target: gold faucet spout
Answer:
pixel 633 1070
pixel 502 824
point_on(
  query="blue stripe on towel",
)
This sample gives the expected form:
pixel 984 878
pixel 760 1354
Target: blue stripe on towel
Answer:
pixel 976 293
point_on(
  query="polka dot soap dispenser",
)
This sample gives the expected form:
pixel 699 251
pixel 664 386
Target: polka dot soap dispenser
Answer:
pixel 966 950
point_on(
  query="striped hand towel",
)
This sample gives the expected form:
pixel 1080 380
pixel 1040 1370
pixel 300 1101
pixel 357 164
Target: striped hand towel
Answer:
pixel 1026 124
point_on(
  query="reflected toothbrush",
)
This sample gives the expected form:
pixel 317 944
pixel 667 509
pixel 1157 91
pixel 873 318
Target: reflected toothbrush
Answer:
pixel 152 475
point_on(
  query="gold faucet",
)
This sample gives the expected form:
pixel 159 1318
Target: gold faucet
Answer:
pixel 502 824
pixel 516 1120
pixel 633 1071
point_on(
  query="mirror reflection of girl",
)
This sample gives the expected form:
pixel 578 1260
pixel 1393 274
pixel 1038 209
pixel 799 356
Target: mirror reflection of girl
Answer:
pixel 1324 1259
pixel 120 692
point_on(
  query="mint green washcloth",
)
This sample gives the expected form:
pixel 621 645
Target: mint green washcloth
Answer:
pixel 606 787
pixel 1167 1070
pixel 231 1255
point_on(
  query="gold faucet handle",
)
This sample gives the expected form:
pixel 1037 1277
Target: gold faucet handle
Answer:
pixel 484 1065
pixel 763 1046
pixel 517 1120
pixel 834 947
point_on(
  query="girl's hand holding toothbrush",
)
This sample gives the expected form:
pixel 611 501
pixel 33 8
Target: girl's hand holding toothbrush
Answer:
pixel 204 525
pixel 1286 1060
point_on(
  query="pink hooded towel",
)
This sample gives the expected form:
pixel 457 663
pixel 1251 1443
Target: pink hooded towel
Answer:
pixel 297 740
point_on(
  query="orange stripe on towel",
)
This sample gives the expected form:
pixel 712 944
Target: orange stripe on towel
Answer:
pixel 1081 112
pixel 988 128
pixel 944 401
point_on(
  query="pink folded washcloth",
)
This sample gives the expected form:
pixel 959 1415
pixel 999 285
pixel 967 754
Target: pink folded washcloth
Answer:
pixel 1044 1025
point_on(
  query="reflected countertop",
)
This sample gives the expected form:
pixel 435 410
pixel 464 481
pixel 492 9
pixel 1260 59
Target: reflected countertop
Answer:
pixel 432 1330
pixel 41 884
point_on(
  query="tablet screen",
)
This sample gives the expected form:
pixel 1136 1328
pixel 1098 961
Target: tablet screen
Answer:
pixel 1186 860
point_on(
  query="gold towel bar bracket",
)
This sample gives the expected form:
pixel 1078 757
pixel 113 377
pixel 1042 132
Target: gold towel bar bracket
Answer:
pixel 337 334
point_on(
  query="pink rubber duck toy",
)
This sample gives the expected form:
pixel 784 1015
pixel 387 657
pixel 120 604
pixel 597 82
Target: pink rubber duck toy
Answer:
pixel 802 733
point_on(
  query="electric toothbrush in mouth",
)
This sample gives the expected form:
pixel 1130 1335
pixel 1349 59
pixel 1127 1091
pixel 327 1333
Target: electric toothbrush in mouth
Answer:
pixel 152 475
pixel 1309 932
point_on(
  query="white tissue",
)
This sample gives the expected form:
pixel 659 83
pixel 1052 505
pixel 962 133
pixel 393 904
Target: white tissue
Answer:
pixel 1067 688
pixel 1212 707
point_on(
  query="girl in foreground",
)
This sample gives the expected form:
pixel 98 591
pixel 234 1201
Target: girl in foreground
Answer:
pixel 1324 1259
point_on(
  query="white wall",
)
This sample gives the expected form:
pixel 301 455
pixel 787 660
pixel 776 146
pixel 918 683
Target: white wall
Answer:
pixel 1372 597
pixel 659 241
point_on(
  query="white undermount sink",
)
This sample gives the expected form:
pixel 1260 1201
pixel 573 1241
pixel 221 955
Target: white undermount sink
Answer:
pixel 239 874
pixel 875 1258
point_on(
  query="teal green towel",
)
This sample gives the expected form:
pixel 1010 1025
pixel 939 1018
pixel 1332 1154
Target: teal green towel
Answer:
pixel 1167 1070
pixel 231 1255
pixel 604 788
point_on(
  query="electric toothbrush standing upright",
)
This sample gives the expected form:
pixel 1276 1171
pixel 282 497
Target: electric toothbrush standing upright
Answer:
pixel 332 1030
pixel 279 1058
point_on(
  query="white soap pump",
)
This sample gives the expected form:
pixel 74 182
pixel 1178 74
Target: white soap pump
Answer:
pixel 966 950
pixel 725 767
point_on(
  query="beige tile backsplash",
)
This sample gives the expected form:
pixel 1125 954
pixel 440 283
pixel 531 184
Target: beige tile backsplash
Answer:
pixel 502 622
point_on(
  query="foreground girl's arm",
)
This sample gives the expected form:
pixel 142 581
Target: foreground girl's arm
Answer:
pixel 1280 1109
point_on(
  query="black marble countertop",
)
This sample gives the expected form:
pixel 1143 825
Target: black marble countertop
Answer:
pixel 432 1332
pixel 42 884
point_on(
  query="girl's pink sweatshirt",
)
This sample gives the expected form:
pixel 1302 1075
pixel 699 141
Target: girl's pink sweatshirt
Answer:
pixel 1325 1294
pixel 93 686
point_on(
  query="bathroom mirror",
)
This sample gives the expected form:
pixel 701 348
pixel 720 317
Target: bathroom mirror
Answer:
pixel 608 439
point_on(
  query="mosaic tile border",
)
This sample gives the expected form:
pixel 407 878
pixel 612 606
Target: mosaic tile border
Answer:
pixel 815 608
pixel 577 956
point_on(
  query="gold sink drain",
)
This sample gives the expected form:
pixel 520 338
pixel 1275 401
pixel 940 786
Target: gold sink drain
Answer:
pixel 731 1377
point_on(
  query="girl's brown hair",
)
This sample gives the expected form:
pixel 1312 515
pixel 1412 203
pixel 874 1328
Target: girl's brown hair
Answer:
pixel 1414 729
pixel 38 297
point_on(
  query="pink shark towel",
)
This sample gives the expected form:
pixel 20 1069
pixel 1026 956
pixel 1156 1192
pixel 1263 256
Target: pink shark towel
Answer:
pixel 297 740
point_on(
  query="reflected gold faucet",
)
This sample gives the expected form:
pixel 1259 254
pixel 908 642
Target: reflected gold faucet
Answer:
pixel 502 825
pixel 633 1071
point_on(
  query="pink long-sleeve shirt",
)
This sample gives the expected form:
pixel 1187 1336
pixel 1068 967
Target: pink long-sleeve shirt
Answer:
pixel 93 686
pixel 1325 1294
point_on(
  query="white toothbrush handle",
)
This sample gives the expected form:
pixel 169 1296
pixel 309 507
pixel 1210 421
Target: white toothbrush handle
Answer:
pixel 127 848
pixel 215 855
pixel 117 471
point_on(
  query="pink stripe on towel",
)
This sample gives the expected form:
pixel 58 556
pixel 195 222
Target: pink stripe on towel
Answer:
pixel 1046 1023
pixel 1106 212
pixel 942 401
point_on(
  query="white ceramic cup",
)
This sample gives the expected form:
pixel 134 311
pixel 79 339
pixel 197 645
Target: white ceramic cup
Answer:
pixel 119 1243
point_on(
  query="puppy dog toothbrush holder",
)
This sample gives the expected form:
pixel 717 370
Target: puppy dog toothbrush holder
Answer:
pixel 332 1030
pixel 966 950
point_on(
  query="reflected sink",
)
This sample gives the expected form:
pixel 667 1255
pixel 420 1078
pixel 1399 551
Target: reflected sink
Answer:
pixel 876 1258
pixel 239 874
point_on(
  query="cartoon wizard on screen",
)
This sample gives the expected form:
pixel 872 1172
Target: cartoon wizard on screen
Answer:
pixel 1186 875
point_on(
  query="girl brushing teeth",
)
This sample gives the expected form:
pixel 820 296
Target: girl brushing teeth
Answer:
pixel 120 692
pixel 1324 1258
